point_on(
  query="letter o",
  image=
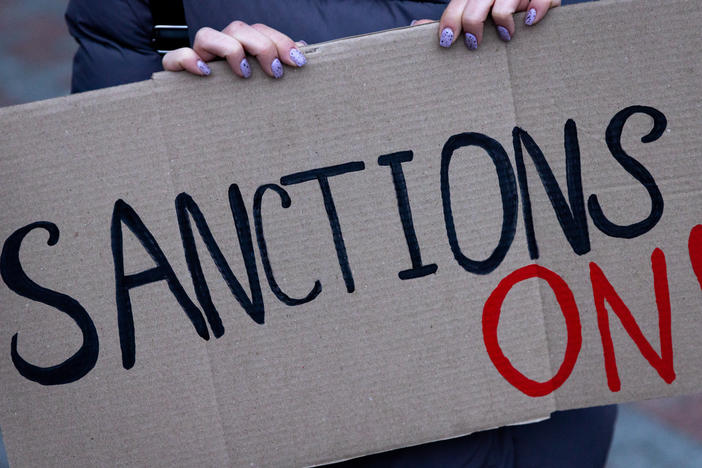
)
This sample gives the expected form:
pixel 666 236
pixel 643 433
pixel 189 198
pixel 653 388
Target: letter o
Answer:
pixel 491 319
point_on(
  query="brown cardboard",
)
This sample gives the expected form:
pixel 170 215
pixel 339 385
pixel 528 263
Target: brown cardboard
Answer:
pixel 396 362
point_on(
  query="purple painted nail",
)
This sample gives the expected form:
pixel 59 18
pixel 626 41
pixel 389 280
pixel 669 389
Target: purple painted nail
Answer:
pixel 301 42
pixel 277 68
pixel 245 68
pixel 412 23
pixel 471 41
pixel 530 17
pixel 298 57
pixel 446 38
pixel 203 67
pixel 503 33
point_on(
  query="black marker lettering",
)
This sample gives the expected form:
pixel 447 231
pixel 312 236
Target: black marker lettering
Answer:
pixel 573 219
pixel 613 137
pixel 285 203
pixel 508 191
pixel 82 362
pixel 125 214
pixel 395 161
pixel 322 176
pixel 254 306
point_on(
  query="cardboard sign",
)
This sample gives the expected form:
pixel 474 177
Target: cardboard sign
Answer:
pixel 393 245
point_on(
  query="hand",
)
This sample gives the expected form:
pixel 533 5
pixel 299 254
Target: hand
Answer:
pixel 271 48
pixel 468 16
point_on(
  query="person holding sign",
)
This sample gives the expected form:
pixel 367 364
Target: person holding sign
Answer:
pixel 273 48
pixel 122 42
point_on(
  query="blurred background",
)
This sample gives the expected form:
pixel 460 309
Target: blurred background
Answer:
pixel 35 51
pixel 35 63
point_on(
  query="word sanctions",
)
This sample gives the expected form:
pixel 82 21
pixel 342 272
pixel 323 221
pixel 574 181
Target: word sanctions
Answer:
pixel 571 214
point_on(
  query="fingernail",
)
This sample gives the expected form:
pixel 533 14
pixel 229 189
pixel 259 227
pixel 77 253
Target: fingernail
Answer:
pixel 413 22
pixel 298 57
pixel 503 33
pixel 530 17
pixel 202 66
pixel 245 68
pixel 277 68
pixel 446 38
pixel 471 41
pixel 301 42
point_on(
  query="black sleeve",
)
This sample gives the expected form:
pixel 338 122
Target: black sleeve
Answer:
pixel 114 43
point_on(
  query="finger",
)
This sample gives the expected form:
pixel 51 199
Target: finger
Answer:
pixel 473 18
pixel 209 44
pixel 522 5
pixel 503 16
pixel 537 9
pixel 185 58
pixel 287 49
pixel 421 21
pixel 258 45
pixel 450 23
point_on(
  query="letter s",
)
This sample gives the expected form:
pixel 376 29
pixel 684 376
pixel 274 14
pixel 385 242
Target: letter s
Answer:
pixel 613 137
pixel 82 362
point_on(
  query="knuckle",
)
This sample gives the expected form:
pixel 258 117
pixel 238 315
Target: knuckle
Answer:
pixel 286 44
pixel 234 50
pixel 501 12
pixel 454 9
pixel 452 15
pixel 474 15
pixel 177 54
pixel 203 35
pixel 173 60
pixel 269 48
pixel 472 19
pixel 234 26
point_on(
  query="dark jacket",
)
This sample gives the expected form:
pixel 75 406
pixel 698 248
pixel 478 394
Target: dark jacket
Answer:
pixel 114 38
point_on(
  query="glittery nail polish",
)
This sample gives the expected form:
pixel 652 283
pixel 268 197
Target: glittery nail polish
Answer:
pixel 504 33
pixel 298 57
pixel 245 68
pixel 202 66
pixel 446 38
pixel 530 17
pixel 277 68
pixel 471 41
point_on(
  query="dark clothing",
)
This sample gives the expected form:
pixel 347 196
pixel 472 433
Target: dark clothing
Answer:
pixel 115 35
pixel 114 43
pixel 114 38
pixel 576 438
